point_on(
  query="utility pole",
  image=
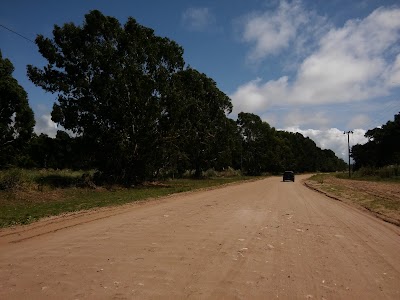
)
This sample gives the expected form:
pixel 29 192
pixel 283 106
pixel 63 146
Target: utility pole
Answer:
pixel 348 146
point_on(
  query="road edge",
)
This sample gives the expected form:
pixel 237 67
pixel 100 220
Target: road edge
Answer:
pixel 362 208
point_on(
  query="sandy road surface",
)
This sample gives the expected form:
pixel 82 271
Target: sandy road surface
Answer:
pixel 265 239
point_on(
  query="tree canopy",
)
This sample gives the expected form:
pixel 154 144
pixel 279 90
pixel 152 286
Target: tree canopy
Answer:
pixel 110 80
pixel 16 116
pixel 195 118
pixel 383 147
pixel 134 112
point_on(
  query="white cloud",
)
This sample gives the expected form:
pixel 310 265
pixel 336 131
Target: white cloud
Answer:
pixel 393 73
pixel 307 119
pixel 256 96
pixel 45 125
pixel 333 139
pixel 359 121
pixel 198 19
pixel 351 63
pixel 274 31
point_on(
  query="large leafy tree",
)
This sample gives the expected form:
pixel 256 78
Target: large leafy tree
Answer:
pixel 16 117
pixel 110 80
pixel 196 123
pixel 257 145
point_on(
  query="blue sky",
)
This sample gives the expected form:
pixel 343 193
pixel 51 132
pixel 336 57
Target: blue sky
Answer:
pixel 313 66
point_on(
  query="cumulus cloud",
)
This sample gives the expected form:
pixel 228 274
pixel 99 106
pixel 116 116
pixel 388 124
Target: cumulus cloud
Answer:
pixel 274 31
pixel 45 125
pixel 351 63
pixel 319 119
pixel 333 139
pixel 393 73
pixel 198 19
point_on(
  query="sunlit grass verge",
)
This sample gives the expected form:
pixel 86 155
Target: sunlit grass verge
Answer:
pixel 389 173
pixel 319 177
pixel 33 200
pixel 378 197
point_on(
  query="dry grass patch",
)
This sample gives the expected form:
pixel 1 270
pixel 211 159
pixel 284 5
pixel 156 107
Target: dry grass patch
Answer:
pixel 381 198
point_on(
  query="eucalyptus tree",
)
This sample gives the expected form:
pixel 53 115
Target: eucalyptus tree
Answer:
pixel 196 121
pixel 16 116
pixel 258 144
pixel 110 79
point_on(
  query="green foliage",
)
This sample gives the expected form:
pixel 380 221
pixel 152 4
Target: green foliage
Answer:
pixel 382 149
pixel 253 151
pixel 229 172
pixel 195 122
pixel 42 204
pixel 137 114
pixel 110 80
pixel 266 150
pixel 320 178
pixel 390 173
pixel 209 173
pixel 16 117
pixel 12 179
pixel 61 152
pixel 22 179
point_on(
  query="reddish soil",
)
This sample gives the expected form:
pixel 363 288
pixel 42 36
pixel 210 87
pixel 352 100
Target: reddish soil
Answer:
pixel 258 240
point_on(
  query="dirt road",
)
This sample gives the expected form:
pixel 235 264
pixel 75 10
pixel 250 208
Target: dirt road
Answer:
pixel 260 240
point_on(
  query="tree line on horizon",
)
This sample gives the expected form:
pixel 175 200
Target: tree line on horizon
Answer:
pixel 132 111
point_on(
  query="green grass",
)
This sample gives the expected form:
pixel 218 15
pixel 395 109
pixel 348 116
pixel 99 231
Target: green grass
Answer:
pixel 21 178
pixel 356 176
pixel 329 188
pixel 319 177
pixel 27 205
pixel 388 173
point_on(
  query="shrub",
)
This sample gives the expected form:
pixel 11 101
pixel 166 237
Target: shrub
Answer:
pixel 389 171
pixel 12 179
pixel 210 173
pixel 230 172
pixel 366 171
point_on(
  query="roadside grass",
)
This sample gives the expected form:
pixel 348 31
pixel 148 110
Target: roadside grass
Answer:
pixel 373 178
pixel 319 177
pixel 40 194
pixel 389 173
pixel 14 179
pixel 323 179
pixel 362 194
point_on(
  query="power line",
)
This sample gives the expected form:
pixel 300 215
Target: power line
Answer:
pixel 24 37
pixel 379 118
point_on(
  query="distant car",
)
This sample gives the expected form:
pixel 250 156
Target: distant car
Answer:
pixel 288 175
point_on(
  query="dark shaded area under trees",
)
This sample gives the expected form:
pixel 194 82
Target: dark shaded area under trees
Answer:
pixel 136 113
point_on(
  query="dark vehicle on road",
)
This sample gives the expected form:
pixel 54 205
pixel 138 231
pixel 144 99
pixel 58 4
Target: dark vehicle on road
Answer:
pixel 288 175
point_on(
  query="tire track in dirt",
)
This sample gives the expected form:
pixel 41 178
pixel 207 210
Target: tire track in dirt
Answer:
pixel 257 240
